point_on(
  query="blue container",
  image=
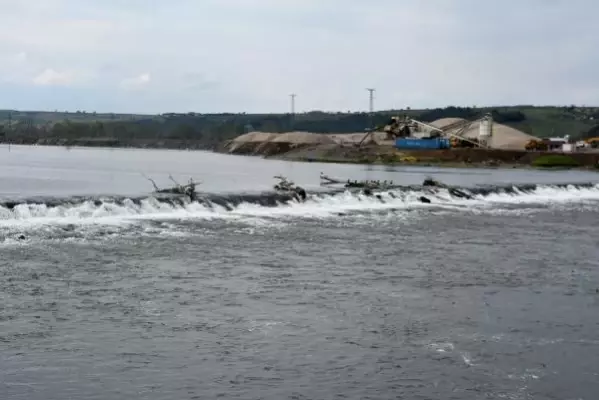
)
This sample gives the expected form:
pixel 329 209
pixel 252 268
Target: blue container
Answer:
pixel 422 144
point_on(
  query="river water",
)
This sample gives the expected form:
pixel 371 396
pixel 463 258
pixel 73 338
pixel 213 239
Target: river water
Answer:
pixel 116 295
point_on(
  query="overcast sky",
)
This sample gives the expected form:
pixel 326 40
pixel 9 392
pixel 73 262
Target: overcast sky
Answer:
pixel 154 56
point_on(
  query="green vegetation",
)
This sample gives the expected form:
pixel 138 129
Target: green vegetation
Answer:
pixel 208 130
pixel 554 161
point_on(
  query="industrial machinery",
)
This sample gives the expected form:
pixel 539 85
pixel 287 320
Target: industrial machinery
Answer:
pixel 456 143
pixel 593 142
pixel 396 127
pixel 485 130
pixel 457 130
pixel 404 127
pixel 536 145
pixel 436 143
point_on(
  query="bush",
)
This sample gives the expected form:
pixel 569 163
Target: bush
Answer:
pixel 555 160
pixel 507 116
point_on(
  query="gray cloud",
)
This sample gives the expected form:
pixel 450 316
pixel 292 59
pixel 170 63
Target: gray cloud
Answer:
pixel 237 55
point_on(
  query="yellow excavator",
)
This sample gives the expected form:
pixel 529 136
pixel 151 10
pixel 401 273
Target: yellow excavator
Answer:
pixel 536 145
pixel 593 141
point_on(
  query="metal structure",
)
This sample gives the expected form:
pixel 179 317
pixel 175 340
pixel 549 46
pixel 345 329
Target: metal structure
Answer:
pixel 485 129
pixel 397 127
pixel 420 144
pixel 460 129
pixel 371 100
pixel 402 127
pixel 292 96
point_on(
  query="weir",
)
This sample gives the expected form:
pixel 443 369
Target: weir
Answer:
pixel 275 199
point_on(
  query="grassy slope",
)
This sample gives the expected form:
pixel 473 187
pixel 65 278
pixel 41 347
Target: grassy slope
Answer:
pixel 549 121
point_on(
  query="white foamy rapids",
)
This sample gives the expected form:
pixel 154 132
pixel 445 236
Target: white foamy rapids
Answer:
pixel 545 195
pixel 316 206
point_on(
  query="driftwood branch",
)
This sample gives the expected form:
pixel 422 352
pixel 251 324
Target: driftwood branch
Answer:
pixel 173 180
pixel 152 181
pixel 328 180
pixel 188 190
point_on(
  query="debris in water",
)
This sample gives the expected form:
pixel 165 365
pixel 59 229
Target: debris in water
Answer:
pixel 188 190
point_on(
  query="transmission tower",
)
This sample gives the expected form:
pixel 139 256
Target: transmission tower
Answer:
pixel 371 106
pixel 371 98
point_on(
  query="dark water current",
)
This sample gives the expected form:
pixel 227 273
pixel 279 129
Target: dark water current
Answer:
pixel 342 297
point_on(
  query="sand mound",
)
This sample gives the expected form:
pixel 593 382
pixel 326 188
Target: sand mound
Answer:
pixel 275 143
pixel 302 138
pixel 506 137
pixel 347 138
pixel 503 136
pixel 254 137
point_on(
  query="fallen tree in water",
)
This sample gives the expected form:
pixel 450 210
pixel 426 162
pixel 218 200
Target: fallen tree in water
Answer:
pixel 368 187
pixel 188 190
pixel 327 180
pixel 368 184
pixel 286 186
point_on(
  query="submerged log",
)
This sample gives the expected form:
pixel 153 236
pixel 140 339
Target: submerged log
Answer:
pixel 431 183
pixel 286 186
pixel 328 180
pixel 188 190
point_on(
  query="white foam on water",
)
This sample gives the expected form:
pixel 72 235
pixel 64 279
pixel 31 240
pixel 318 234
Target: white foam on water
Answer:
pixel 544 195
pixel 27 215
pixel 442 347
pixel 317 206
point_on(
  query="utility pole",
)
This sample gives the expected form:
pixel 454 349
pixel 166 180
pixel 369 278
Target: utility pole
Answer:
pixel 371 104
pixel 9 129
pixel 371 95
pixel 292 119
pixel 292 95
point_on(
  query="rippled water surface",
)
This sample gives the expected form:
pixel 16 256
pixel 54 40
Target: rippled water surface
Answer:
pixel 341 297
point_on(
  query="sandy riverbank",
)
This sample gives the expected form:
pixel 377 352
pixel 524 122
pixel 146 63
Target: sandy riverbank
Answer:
pixel 455 158
pixel 372 154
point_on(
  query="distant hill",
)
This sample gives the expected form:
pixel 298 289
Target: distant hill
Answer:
pixel 194 130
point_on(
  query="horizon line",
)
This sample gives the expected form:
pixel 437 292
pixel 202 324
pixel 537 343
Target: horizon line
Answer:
pixel 365 111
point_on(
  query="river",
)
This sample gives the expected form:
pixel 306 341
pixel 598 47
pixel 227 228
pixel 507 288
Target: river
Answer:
pixel 108 293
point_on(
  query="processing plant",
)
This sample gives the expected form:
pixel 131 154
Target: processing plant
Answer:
pixel 400 132
pixel 409 133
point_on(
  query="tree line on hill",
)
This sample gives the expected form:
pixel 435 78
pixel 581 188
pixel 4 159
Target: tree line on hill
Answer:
pixel 209 130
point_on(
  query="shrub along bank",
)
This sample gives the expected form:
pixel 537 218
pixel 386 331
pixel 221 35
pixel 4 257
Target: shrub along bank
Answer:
pixel 555 160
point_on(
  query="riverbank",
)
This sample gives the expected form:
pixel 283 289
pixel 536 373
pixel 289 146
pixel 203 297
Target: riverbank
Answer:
pixel 454 158
pixel 371 154
pixel 109 142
